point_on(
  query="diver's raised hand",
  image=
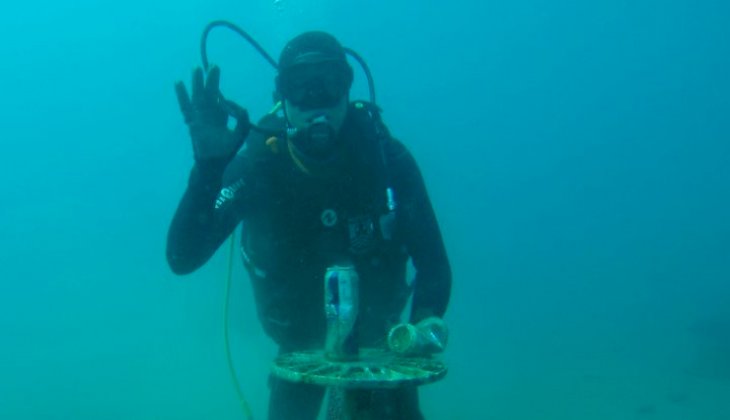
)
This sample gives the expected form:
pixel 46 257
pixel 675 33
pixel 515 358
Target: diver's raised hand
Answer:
pixel 206 114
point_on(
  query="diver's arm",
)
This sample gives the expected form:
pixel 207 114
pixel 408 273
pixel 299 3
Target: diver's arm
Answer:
pixel 205 217
pixel 421 235
pixel 197 228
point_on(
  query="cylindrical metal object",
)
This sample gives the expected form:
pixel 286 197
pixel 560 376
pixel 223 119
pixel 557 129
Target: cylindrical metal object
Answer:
pixel 341 301
pixel 427 337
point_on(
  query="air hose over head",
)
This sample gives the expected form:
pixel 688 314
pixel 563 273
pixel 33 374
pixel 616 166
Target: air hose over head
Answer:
pixel 268 58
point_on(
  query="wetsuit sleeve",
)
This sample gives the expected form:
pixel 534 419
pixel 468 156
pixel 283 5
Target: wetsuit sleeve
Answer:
pixel 198 228
pixel 421 235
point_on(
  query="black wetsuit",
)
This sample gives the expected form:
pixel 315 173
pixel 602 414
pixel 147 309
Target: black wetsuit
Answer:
pixel 296 225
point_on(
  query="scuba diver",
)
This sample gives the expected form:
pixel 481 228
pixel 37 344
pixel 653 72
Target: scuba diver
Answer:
pixel 316 183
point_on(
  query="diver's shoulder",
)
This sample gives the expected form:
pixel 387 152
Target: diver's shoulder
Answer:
pixel 396 151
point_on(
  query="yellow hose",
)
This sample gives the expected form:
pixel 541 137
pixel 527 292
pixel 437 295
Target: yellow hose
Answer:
pixel 229 276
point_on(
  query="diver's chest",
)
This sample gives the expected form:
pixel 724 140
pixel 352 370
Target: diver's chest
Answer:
pixel 331 217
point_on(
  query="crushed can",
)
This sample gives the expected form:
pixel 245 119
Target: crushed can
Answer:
pixel 427 337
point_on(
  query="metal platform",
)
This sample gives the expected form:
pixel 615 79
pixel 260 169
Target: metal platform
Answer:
pixel 374 369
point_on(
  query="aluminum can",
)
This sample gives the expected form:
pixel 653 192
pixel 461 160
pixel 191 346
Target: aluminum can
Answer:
pixel 427 337
pixel 341 304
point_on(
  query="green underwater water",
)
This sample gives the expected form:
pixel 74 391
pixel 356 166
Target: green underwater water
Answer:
pixel 577 157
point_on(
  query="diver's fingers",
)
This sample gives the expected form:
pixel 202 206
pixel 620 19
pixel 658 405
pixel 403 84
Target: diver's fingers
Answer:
pixel 198 88
pixel 236 111
pixel 211 85
pixel 243 123
pixel 183 99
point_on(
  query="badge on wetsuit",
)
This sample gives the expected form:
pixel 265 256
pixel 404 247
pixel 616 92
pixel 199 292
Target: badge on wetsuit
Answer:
pixel 328 217
pixel 362 234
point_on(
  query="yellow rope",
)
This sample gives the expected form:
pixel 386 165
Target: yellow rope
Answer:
pixel 296 160
pixel 229 276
